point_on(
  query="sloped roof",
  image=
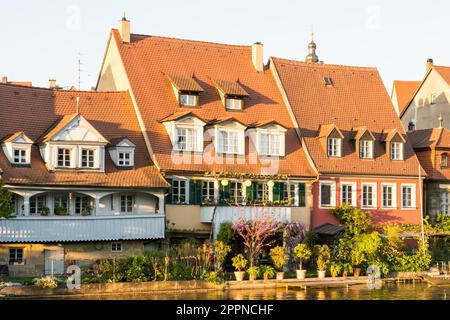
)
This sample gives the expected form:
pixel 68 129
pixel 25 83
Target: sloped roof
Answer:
pixel 360 131
pixel 231 88
pixel 327 129
pixel 444 71
pixel 357 98
pixel 35 110
pixel 404 91
pixel 185 83
pixel 430 138
pixel 14 136
pixel 208 61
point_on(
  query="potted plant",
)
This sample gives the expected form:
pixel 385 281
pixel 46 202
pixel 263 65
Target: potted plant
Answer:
pixel 323 258
pixel 335 269
pixel 267 272
pixel 346 269
pixel 44 211
pixel 253 273
pixel 302 252
pixel 357 257
pixel 239 263
pixel 87 210
pixel 279 257
pixel 60 211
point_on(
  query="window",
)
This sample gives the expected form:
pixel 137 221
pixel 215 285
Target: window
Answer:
pixel 188 100
pixel 60 201
pixel 348 195
pixel 87 158
pixel 229 141
pixel 327 194
pixel 334 147
pixel 36 204
pixel 369 196
pixel 289 192
pixel 16 256
pixel 411 126
pixel 178 191
pixel 236 191
pixel 63 157
pixel 262 191
pixel 20 156
pixel 270 144
pixel 186 139
pixel 365 149
pixel 233 104
pixel 408 196
pixel 445 202
pixel 116 247
pixel 208 191
pixel 396 151
pixel 328 81
pixel 444 162
pixel 389 196
pixel 126 203
pixel 125 158
pixel 81 204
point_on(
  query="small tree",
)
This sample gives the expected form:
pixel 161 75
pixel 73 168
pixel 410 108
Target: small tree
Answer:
pixel 323 256
pixel 221 251
pixel 6 206
pixel 239 262
pixel 256 232
pixel 302 252
pixel 356 221
pixel 279 257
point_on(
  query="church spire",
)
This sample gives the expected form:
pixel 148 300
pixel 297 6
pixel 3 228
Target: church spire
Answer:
pixel 312 56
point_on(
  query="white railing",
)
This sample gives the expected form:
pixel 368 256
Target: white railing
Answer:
pixel 82 228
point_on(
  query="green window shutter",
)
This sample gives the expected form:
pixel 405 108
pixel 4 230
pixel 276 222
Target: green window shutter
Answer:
pixel 255 190
pixel 198 191
pixel 169 196
pixel 224 193
pixel 192 188
pixel 301 194
pixel 277 192
pixel 249 193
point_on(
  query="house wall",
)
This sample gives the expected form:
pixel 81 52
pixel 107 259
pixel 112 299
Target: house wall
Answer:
pixel 427 114
pixel 185 217
pixel 379 215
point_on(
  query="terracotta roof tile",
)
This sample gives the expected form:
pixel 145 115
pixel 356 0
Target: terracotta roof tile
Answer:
pixel 231 88
pixel 405 91
pixel 444 72
pixel 185 83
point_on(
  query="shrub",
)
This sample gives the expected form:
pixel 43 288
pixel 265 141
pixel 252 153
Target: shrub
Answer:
pixel 356 221
pixel 323 256
pixel 239 262
pixel 442 222
pixel 213 277
pixel 221 251
pixel 254 271
pixel 279 257
pixel 226 233
pixel 46 283
pixel 302 252
pixel 335 268
pixel 267 271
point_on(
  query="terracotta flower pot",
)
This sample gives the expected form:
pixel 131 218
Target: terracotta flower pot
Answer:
pixel 265 277
pixel 321 274
pixel 301 274
pixel 280 275
pixel 239 275
pixel 251 277
pixel 356 272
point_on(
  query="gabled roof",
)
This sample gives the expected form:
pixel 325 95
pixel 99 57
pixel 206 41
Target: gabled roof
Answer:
pixel 357 98
pixel 18 134
pixel 180 115
pixel 430 138
pixel 231 88
pixel 389 134
pixel 111 113
pixel 121 141
pixel 444 71
pixel 159 56
pixel 359 132
pixel 404 91
pixel 225 120
pixel 185 83
pixel 263 124
pixel 327 129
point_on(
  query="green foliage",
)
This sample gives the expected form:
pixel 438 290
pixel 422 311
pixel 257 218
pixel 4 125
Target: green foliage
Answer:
pixel 302 252
pixel 221 251
pixel 335 268
pixel 442 222
pixel 279 257
pixel 191 242
pixel 239 262
pixel 214 277
pixel 226 233
pixel 366 248
pixel 254 271
pixel 267 271
pixel 323 255
pixel 6 203
pixel 356 221
pixel 46 282
pixel 136 269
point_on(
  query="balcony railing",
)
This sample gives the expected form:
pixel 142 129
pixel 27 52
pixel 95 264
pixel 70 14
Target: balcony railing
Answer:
pixel 82 228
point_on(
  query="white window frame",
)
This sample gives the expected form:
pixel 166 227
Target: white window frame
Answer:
pixel 366 149
pixel 186 190
pixel 396 153
pixel 22 159
pixel 222 139
pixel 15 261
pixel 191 99
pixel 334 146
pixel 94 156
pixel 267 146
pixel 445 202
pixel 354 192
pixel 133 200
pixel 64 160
pixel 374 195
pixel 206 186
pixel 115 245
pixel 332 184
pixel 190 137
pixel 126 163
pixel 394 195
pixel 413 196
pixel 233 103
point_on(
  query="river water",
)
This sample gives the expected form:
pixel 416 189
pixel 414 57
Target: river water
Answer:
pixel 389 291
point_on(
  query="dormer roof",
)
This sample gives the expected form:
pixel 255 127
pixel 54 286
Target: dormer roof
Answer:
pixel 225 120
pixel 267 123
pixel 230 88
pixel 180 115
pixel 327 129
pixel 362 132
pixel 392 134
pixel 18 137
pixel 185 83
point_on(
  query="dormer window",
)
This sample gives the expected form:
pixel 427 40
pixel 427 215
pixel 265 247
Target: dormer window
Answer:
pixel 334 147
pixel 234 103
pixel 124 158
pixel 396 150
pixel 17 148
pixel 186 139
pixel 444 160
pixel 185 131
pixel 186 90
pixel 20 156
pixel 366 149
pixel 188 100
pixel 269 137
pixel 229 141
pixel 64 157
pixel 87 158
pixel 270 144
pixel 232 94
pixel 229 136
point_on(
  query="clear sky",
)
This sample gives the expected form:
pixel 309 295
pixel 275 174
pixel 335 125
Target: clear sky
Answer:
pixel 43 39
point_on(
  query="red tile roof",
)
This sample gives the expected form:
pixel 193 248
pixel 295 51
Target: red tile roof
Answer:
pixel 34 110
pixel 444 72
pixel 357 98
pixel 404 91
pixel 148 58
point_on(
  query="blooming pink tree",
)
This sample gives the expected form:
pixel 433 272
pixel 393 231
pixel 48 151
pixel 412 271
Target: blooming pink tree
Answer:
pixel 256 231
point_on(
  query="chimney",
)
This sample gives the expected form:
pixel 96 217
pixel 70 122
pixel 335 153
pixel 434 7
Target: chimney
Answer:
pixel 5 80
pixel 52 84
pixel 429 64
pixel 257 56
pixel 124 29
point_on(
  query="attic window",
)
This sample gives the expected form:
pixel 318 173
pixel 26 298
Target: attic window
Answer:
pixel 188 99
pixel 328 81
pixel 234 103
pixel 444 163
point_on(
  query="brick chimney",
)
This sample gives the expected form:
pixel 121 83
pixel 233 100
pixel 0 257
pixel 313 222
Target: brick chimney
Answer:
pixel 124 30
pixel 52 84
pixel 257 56
pixel 429 64
pixel 5 80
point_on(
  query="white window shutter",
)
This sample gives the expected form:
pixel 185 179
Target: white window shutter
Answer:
pixel 242 142
pixel 282 144
pixel 199 134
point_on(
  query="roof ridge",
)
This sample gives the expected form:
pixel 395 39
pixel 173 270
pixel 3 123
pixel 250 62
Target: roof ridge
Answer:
pixel 322 65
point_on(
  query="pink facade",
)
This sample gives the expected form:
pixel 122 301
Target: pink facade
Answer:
pixel 397 213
